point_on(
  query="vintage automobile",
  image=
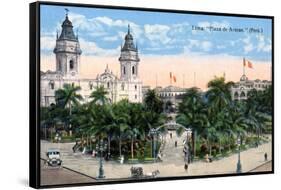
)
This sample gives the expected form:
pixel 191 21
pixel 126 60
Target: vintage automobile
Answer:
pixel 53 156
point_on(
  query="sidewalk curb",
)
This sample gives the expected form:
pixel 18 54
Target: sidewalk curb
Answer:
pixel 260 166
pixel 74 171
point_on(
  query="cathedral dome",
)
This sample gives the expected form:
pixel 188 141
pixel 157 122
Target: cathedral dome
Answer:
pixel 243 78
pixel 129 42
pixel 128 37
pixel 67 30
pixel 67 22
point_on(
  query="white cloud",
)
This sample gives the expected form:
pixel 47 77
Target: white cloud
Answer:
pixel 204 24
pixel 248 45
pixel 203 45
pixel 221 47
pixel 223 24
pixel 111 38
pixel 157 34
pixel 135 29
pixel 84 24
pixel 214 24
pixel 248 48
pixel 262 45
pixel 105 20
pixel 102 26
pixel 121 34
pixel 206 45
pixel 91 48
pixel 47 43
pixel 179 28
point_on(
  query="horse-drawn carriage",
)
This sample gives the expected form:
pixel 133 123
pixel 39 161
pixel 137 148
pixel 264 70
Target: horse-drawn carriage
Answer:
pixel 137 172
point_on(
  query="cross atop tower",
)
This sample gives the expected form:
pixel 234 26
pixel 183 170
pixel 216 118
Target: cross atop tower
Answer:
pixel 66 11
pixel 128 28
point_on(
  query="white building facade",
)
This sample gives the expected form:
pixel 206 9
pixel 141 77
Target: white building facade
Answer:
pixel 171 94
pixel 68 52
pixel 240 90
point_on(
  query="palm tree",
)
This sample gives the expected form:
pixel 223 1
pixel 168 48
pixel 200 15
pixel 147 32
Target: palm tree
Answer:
pixel 112 122
pixel 261 99
pixel 99 96
pixel 218 93
pixel 257 120
pixel 258 109
pixel 153 102
pixel 134 124
pixel 97 125
pixel 50 116
pixel 68 97
pixel 122 116
pixel 218 102
pixel 192 114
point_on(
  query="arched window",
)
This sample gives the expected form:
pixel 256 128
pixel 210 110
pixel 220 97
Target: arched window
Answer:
pixel 52 85
pixel 136 87
pixel 242 95
pixel 59 66
pixel 108 85
pixel 71 64
pixel 124 70
pixel 123 86
pixel 91 85
pixel 133 70
pixel 236 95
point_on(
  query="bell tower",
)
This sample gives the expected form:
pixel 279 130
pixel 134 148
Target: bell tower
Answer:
pixel 67 50
pixel 129 59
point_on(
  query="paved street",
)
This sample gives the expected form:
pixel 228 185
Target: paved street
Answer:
pixel 56 176
pixel 265 167
pixel 173 164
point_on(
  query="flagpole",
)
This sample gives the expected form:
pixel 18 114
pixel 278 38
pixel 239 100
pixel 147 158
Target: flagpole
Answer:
pixel 171 78
pixel 244 63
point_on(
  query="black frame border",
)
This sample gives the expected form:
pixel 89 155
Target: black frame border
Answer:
pixel 34 93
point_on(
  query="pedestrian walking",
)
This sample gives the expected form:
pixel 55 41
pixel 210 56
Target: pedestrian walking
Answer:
pixel 176 143
pixel 186 167
pixel 265 156
pixel 171 136
pixel 207 158
pixel 94 153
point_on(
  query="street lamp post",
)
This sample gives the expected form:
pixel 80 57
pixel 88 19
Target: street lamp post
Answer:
pixel 189 133
pixel 239 165
pixel 153 132
pixel 101 170
pixel 188 137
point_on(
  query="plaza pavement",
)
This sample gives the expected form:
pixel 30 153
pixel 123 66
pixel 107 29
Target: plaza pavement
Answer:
pixel 172 165
pixel 61 176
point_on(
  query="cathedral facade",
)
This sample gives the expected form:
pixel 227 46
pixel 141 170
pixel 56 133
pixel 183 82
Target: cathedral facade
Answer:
pixel 67 51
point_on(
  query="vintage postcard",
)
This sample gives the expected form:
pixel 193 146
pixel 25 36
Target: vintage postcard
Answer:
pixel 144 94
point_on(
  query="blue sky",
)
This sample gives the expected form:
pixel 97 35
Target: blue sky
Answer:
pixel 101 32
